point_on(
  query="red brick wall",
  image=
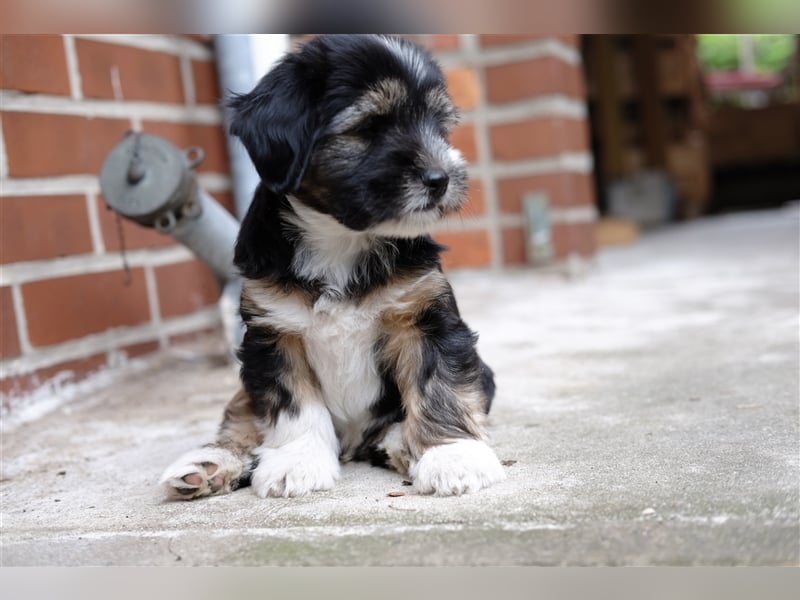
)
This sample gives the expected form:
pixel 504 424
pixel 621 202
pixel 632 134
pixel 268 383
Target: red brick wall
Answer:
pixel 65 101
pixel 524 129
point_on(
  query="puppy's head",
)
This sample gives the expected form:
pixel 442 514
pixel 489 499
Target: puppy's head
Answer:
pixel 356 127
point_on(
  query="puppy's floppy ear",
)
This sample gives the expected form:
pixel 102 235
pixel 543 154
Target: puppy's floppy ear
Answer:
pixel 277 123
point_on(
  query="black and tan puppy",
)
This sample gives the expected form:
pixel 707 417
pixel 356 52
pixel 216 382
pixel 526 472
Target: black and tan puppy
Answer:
pixel 354 348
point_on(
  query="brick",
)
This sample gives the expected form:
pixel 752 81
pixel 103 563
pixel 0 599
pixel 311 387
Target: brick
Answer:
pixel 574 238
pixel 435 42
pixel 535 77
pixel 34 63
pixel 80 368
pixel 567 238
pixel 466 248
pixel 141 74
pixel 441 42
pixel 462 83
pixel 570 39
pixel 206 83
pixel 135 236
pixel 210 138
pixel 141 349
pixel 562 189
pixel 77 369
pixel 535 138
pixel 475 204
pixel 463 138
pixel 41 227
pixel 513 241
pixel 67 308
pixel 39 144
pixel 9 338
pixel 193 336
pixel 490 40
pixel 185 287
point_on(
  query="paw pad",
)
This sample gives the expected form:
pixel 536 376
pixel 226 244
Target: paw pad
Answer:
pixel 202 472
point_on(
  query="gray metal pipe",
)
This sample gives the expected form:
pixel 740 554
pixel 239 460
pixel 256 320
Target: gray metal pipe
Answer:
pixel 236 74
pixel 242 60
pixel 211 235
pixel 239 67
pixel 146 179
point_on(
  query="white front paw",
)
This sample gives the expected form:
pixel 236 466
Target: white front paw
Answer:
pixel 298 468
pixel 457 468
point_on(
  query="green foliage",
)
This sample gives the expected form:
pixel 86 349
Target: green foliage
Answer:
pixel 773 52
pixel 718 52
pixel 721 51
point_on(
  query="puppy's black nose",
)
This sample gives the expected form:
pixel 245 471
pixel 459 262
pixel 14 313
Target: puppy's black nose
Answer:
pixel 436 181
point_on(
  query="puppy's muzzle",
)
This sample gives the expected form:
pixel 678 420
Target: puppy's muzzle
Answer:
pixel 436 180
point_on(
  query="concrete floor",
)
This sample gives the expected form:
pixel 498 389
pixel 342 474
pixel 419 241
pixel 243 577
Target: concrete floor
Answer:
pixel 647 413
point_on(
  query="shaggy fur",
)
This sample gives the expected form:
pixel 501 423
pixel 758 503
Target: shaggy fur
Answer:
pixel 354 348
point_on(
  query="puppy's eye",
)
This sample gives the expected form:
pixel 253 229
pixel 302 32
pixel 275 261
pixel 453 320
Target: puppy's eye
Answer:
pixel 443 121
pixel 365 124
pixel 368 125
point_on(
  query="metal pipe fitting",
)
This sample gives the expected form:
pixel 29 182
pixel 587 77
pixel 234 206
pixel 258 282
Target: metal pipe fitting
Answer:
pixel 147 179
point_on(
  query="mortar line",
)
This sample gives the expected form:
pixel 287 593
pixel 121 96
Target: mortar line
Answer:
pixel 499 55
pixel 3 155
pixel 94 224
pixel 549 105
pixel 471 47
pixel 461 223
pixel 73 68
pixel 85 184
pixel 187 80
pixel 564 162
pixel 586 213
pixel 155 43
pixel 84 264
pixel 15 101
pixel 110 340
pixel 21 319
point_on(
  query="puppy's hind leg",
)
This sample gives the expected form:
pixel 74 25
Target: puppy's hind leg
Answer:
pixel 222 466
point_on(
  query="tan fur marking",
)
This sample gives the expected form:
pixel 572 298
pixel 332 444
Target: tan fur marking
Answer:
pixel 404 349
pixel 274 306
pixel 411 296
pixel 387 95
pixel 300 378
pixel 438 98
pixel 384 97
pixel 238 432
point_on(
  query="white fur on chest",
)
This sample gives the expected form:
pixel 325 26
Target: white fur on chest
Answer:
pixel 339 337
pixel 340 345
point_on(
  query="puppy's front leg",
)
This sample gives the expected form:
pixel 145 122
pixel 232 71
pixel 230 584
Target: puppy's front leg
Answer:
pixel 446 391
pixel 300 452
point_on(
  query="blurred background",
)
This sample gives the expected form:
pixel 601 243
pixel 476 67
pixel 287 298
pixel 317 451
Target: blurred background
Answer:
pixel 575 142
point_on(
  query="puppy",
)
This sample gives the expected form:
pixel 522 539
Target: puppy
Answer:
pixel 354 347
